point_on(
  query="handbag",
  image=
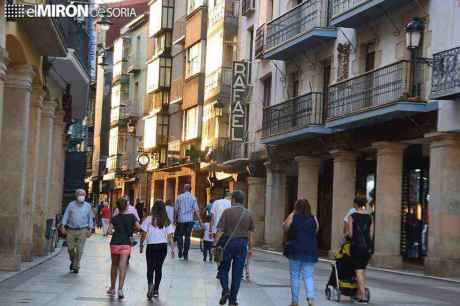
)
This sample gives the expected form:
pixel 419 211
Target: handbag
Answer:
pixel 218 250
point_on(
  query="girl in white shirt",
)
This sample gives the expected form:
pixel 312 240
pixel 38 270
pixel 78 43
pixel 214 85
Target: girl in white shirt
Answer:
pixel 157 232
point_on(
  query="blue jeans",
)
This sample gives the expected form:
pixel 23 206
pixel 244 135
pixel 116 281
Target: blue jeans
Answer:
pixel 234 256
pixel 297 268
pixel 183 245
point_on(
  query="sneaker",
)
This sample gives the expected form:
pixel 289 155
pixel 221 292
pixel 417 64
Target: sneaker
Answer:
pixel 361 301
pixel 224 298
pixel 121 295
pixel 71 267
pixel 75 270
pixel 156 293
pixel 150 292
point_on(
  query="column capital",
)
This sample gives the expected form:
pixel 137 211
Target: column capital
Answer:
pixel 59 117
pixel 343 155
pixel 443 139
pixel 308 160
pixel 20 77
pixel 387 147
pixel 49 106
pixel 38 94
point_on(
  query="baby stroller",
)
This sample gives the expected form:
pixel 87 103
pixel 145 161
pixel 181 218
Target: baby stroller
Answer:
pixel 343 279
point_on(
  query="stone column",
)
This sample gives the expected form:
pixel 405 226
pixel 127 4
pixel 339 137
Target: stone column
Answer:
pixel 308 180
pixel 390 157
pixel 444 207
pixel 58 131
pixel 2 80
pixel 31 179
pixel 275 204
pixel 44 176
pixel 343 193
pixel 13 158
pixel 256 204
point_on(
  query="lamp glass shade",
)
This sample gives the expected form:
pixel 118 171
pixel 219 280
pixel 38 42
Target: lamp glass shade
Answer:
pixel 413 39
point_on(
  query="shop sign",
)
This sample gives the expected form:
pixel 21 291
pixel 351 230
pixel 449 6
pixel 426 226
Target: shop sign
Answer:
pixel 239 94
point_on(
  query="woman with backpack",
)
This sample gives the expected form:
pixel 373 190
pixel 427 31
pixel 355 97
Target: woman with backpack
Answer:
pixel 157 232
pixel 301 249
pixel 359 229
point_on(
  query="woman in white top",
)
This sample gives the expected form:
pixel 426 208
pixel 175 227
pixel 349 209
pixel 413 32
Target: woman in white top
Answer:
pixel 170 210
pixel 157 232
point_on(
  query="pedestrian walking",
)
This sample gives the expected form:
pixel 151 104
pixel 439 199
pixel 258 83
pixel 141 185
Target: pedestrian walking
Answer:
pixel 235 234
pixel 157 232
pixel 170 211
pixel 218 208
pixel 77 224
pixel 359 229
pixel 123 225
pixel 98 216
pixel 186 208
pixel 301 249
pixel 207 239
pixel 105 218
pixel 140 209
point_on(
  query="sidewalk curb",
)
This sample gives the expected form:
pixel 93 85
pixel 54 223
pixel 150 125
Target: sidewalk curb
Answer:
pixel 411 274
pixel 35 264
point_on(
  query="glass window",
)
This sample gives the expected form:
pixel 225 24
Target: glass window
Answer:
pixel 191 123
pixel 159 74
pixel 113 141
pixel 209 130
pixel 267 91
pixel 194 4
pixel 193 60
pixel 116 94
pixel 150 132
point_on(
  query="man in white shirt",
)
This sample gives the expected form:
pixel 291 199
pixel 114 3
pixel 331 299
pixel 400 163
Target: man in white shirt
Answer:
pixel 218 208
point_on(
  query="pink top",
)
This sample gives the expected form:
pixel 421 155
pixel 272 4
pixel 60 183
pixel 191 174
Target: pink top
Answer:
pixel 131 210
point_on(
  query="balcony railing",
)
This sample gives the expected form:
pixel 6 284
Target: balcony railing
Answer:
pixel 218 82
pixel 446 74
pixel 339 7
pixel 296 113
pixel 372 89
pixel 247 7
pixel 260 41
pixel 114 163
pixel 123 112
pixel 301 19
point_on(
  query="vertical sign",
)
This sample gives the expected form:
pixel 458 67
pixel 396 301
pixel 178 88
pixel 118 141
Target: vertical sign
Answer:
pixel 239 92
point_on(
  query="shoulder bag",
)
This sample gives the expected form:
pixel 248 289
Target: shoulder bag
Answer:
pixel 219 250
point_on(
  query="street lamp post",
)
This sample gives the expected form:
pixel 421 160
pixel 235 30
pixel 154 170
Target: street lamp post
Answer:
pixel 414 30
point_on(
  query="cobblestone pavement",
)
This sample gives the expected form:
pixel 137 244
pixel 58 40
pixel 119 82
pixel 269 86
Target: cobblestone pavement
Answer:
pixel 193 283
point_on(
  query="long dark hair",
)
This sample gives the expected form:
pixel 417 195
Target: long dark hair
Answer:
pixel 159 216
pixel 302 207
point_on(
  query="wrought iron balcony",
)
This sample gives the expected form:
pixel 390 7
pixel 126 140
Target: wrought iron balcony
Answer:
pixel 122 113
pixel 294 114
pixel 446 74
pixel 114 163
pixel 260 41
pixel 301 27
pixel 218 82
pixel 378 95
pixel 352 13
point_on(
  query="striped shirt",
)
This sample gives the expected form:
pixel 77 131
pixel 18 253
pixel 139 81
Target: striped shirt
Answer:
pixel 186 205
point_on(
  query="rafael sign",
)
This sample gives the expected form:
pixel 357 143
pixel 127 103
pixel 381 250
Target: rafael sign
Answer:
pixel 239 93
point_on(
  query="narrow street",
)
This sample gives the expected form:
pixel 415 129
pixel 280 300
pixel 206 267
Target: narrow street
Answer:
pixel 193 283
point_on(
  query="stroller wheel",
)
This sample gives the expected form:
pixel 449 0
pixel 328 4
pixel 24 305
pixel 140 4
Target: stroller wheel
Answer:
pixel 367 295
pixel 328 293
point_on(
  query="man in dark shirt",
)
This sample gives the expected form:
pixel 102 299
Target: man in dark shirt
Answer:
pixel 236 228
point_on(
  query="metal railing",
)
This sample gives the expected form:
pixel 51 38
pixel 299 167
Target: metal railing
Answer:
pixel 296 113
pixel 218 81
pixel 114 163
pixel 123 112
pixel 260 41
pixel 446 73
pixel 375 88
pixel 339 7
pixel 301 19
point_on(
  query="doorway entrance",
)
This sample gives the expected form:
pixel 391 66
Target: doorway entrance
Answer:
pixel 324 211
